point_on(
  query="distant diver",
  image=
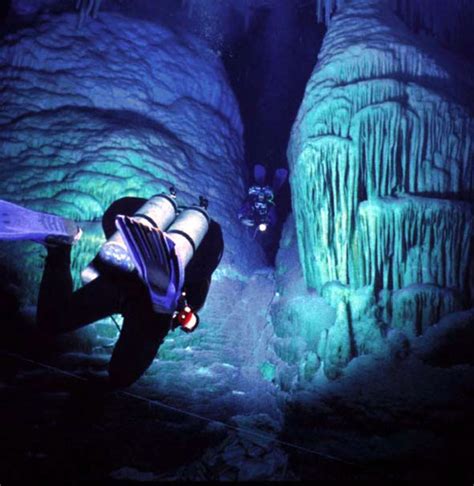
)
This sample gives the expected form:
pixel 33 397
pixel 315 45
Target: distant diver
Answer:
pixel 258 210
pixel 156 279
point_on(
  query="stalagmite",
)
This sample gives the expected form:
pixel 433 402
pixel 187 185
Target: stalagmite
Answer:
pixel 339 347
pixel 417 306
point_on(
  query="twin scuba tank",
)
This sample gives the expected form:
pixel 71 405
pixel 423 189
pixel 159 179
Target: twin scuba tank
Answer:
pixel 185 226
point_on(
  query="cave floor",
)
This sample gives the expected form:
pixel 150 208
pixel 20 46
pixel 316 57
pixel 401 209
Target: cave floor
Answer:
pixel 205 411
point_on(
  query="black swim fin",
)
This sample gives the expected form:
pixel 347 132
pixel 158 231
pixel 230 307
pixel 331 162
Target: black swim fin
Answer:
pixel 156 260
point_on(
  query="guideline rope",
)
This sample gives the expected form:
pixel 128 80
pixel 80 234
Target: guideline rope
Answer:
pixel 160 404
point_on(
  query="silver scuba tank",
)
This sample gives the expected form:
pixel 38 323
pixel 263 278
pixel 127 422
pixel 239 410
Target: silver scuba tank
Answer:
pixel 189 229
pixel 159 211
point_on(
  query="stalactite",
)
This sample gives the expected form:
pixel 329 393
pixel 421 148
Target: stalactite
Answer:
pixel 410 128
pixel 382 166
pixel 449 21
pixel 87 8
pixel 415 239
pixel 325 9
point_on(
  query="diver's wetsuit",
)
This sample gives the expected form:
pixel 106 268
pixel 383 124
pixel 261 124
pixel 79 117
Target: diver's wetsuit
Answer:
pixel 60 309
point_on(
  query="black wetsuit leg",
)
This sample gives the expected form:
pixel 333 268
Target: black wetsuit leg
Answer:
pixel 143 331
pixel 59 308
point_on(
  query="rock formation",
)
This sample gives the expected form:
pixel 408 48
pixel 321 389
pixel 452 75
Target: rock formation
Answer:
pixel 118 107
pixel 382 173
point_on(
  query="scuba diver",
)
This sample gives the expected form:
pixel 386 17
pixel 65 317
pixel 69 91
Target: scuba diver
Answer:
pixel 259 210
pixel 156 279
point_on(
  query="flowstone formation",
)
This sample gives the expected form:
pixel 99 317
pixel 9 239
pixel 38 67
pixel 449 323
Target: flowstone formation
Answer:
pixel 117 107
pixel 382 177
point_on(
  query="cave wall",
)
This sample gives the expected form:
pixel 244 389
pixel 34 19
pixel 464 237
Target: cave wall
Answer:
pixel 118 107
pixel 382 178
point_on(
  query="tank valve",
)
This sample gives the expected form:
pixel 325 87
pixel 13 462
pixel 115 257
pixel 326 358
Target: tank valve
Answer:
pixel 203 202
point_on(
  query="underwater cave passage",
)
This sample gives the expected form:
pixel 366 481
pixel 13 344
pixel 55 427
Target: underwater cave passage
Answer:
pixel 268 67
pixel 353 348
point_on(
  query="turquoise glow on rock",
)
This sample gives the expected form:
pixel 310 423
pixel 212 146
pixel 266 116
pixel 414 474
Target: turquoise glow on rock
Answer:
pixel 120 107
pixel 369 130
pixel 382 178
pixel 268 371
pixel 369 134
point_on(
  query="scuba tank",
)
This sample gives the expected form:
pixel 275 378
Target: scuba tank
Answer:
pixel 186 232
pixel 189 229
pixel 159 211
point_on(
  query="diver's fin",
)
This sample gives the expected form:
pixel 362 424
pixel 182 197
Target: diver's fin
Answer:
pixel 259 174
pixel 279 179
pixel 157 263
pixel 19 223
